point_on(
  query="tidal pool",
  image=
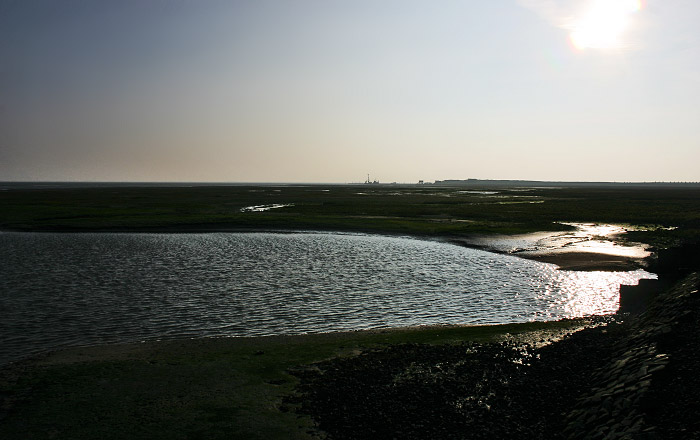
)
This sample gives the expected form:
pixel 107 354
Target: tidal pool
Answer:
pixel 84 289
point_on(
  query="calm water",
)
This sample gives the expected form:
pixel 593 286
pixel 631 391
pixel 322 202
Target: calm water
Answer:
pixel 75 289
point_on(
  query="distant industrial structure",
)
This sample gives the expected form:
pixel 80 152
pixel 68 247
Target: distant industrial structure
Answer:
pixel 369 181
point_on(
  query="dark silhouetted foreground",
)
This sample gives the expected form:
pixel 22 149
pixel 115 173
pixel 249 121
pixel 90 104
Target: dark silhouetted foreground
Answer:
pixel 633 378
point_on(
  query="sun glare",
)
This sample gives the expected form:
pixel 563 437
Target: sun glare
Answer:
pixel 603 23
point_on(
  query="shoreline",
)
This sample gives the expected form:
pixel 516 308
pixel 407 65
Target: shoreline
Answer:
pixel 568 259
pixel 526 332
pixel 520 332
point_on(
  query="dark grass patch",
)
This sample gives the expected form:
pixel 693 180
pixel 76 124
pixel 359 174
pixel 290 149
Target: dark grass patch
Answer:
pixel 414 210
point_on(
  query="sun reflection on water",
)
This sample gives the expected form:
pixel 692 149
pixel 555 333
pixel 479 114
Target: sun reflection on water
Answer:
pixel 591 293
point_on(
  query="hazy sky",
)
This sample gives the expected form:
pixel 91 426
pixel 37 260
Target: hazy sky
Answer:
pixel 330 90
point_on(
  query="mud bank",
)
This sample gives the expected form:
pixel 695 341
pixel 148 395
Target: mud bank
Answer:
pixel 588 247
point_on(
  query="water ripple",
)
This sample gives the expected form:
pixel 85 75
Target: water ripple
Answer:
pixel 78 289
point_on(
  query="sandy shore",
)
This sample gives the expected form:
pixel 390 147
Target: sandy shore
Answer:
pixel 590 247
pixel 588 261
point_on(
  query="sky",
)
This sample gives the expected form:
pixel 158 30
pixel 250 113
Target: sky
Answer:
pixel 331 90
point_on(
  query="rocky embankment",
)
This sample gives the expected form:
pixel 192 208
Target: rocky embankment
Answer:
pixel 627 376
pixel 648 389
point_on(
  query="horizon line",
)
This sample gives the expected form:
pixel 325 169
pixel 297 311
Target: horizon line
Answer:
pixel 421 182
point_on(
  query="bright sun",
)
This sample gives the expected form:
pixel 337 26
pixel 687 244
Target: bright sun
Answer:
pixel 602 24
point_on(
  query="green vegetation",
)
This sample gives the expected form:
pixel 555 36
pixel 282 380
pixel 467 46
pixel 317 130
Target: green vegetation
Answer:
pixel 422 210
pixel 209 388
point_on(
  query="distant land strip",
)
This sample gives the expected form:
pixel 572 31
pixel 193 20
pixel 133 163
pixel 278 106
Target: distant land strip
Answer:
pixel 476 183
pixel 550 184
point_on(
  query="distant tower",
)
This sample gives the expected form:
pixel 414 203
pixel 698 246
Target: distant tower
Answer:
pixel 371 182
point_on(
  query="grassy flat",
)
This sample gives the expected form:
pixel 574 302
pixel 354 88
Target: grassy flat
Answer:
pixel 202 388
pixel 421 210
